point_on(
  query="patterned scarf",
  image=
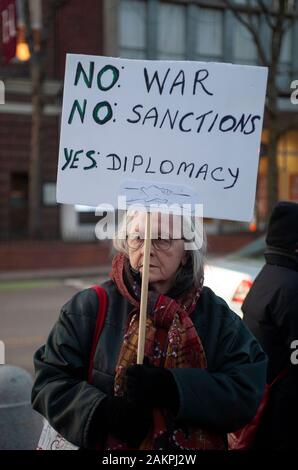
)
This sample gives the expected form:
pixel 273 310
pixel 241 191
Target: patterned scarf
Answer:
pixel 171 341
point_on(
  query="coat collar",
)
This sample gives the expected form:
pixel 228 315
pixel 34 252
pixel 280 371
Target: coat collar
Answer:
pixel 279 257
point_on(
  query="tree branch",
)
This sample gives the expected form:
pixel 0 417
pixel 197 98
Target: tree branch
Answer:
pixel 251 28
pixel 265 10
pixel 278 31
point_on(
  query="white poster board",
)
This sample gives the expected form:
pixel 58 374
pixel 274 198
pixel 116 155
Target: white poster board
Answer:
pixel 161 131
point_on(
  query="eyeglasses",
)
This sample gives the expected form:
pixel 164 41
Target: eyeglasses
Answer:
pixel 159 244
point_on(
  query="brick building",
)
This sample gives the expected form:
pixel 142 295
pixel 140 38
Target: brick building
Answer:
pixel 69 33
pixel 152 29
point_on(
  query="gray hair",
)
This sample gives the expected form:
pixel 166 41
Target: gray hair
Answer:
pixel 195 243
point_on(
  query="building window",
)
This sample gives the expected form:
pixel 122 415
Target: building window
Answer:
pixel 248 3
pixel 18 204
pixel 245 51
pixel 209 34
pixel 86 215
pixel 293 196
pixel 285 66
pixel 132 29
pixel 49 194
pixel 171 37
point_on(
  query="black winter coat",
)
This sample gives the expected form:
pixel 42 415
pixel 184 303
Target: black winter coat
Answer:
pixel 271 312
pixel 223 398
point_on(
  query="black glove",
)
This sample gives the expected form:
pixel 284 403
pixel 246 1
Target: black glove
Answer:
pixel 130 422
pixel 155 386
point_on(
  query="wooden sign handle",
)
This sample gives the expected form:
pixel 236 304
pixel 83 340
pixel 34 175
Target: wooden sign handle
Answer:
pixel 144 291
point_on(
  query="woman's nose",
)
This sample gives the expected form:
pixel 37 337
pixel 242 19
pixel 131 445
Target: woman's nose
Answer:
pixel 152 248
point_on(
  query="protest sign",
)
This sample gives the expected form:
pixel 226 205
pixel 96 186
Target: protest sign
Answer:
pixel 161 132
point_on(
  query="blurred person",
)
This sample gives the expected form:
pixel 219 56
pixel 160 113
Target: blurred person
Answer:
pixel 203 374
pixel 271 312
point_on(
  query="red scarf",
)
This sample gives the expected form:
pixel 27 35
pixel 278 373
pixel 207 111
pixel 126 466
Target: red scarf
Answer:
pixel 171 341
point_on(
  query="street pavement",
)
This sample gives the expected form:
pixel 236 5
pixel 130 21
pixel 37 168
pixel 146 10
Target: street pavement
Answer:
pixel 29 309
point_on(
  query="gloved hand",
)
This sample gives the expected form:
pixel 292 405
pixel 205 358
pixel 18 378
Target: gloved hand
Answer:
pixel 155 386
pixel 126 420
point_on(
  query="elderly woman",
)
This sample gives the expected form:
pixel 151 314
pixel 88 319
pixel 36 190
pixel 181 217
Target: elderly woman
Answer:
pixel 203 375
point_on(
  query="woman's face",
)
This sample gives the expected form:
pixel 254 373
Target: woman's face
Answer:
pixel 165 257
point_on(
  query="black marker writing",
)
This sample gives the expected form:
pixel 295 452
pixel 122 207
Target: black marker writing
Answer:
pixel 140 165
pixel 187 122
pixel 165 82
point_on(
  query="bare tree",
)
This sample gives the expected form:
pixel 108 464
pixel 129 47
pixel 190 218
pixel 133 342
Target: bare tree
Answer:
pixel 38 46
pixel 279 16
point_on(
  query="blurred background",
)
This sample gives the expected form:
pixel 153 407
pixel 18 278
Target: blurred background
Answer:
pixel 49 251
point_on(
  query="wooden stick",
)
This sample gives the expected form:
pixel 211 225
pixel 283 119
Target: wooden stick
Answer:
pixel 144 291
